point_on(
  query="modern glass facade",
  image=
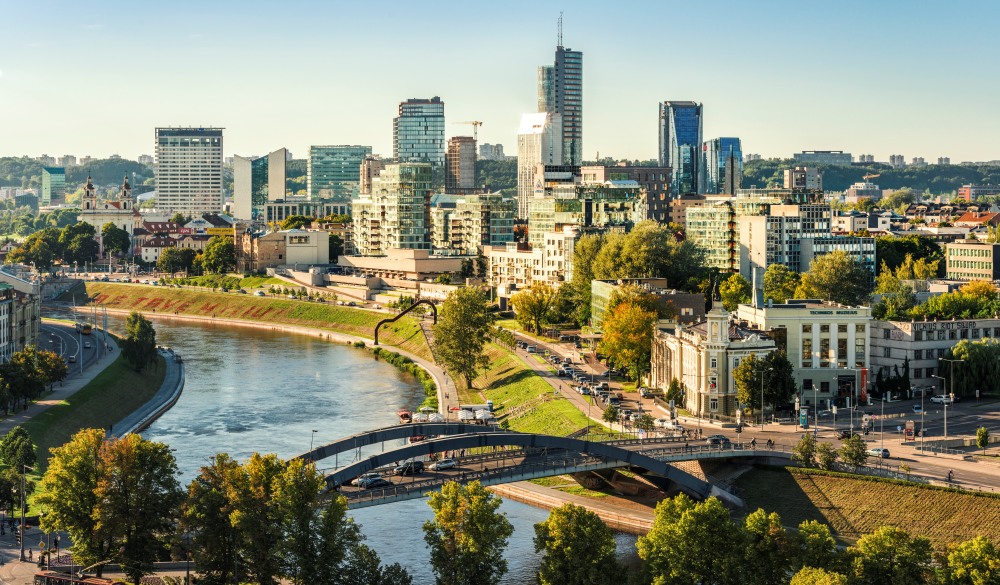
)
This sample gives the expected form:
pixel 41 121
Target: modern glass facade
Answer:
pixel 567 91
pixel 594 206
pixel 397 213
pixel 680 144
pixel 722 166
pixel 418 132
pixel 53 185
pixel 333 172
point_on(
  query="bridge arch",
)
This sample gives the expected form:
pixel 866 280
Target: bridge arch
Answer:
pixel 392 433
pixel 410 308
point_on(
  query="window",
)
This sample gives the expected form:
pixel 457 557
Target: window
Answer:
pixel 951 334
pixel 886 352
pixel 713 404
pixel 859 328
pixel 941 352
pixel 885 334
pixel 825 328
pixel 807 328
pixel 918 354
pixel 918 336
pixel 842 328
pixel 715 363
pixel 975 334
pixel 807 352
pixel 824 353
pixel 841 353
pixel 918 372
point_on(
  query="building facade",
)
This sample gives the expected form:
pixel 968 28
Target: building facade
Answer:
pixel 460 167
pixel 538 142
pixel 702 358
pixel 256 182
pixel 560 94
pixel 972 260
pixel 334 172
pixel 776 238
pixel 397 213
pixel 278 211
pixel 53 186
pixel 474 221
pixel 803 178
pixel 418 132
pixel 688 308
pixel 680 144
pixel 827 344
pixel 721 166
pixel 559 204
pixel 655 180
pixel 715 227
pixel 189 170
pixel 823 157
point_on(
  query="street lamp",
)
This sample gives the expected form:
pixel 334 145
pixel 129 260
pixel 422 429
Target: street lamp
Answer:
pixel 815 411
pixel 951 395
pixel 311 437
pixel 762 372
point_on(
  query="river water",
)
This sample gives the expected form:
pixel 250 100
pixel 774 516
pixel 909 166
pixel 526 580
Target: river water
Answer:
pixel 250 390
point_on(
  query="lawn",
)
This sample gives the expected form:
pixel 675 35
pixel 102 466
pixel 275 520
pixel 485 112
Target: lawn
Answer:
pixel 404 334
pixel 856 506
pixel 112 395
pixel 513 325
pixel 523 398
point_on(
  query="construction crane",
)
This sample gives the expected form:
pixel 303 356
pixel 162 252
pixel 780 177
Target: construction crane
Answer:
pixel 475 128
pixel 866 177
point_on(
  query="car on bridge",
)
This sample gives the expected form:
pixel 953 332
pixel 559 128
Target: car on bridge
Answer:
pixel 917 409
pixel 364 478
pixel 719 440
pixel 442 465
pixel 376 483
pixel 409 468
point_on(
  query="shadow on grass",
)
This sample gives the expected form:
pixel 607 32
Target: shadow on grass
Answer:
pixel 511 379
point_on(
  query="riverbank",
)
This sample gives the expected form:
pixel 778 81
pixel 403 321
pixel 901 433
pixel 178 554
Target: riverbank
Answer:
pixel 167 395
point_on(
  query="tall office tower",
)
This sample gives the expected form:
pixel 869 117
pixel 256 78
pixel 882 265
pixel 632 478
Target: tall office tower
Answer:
pixel 418 132
pixel 256 182
pixel 680 144
pixel 539 140
pixel 397 213
pixel 333 172
pixel 560 92
pixel 370 168
pixel 460 170
pixel 53 185
pixel 189 170
pixel 722 166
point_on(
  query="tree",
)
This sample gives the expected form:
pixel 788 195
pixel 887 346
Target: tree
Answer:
pixel 611 414
pixel 532 306
pixel 116 498
pixel 853 451
pixel 766 555
pixel 893 250
pixel 467 535
pixel 578 548
pixel 645 422
pixel 461 332
pixel 139 344
pixel 734 291
pixel 804 451
pixel 973 562
pixel 826 455
pixel 584 253
pixel 336 248
pixel 115 239
pixel 17 449
pixel 814 546
pixel 692 542
pixel 219 255
pixel 206 515
pixel 294 222
pixel 891 555
pixel 814 576
pixel 836 277
pixel 179 218
pixel 628 337
pixel 897 299
pixel 982 438
pixel 771 375
pixel 51 367
pixel 176 260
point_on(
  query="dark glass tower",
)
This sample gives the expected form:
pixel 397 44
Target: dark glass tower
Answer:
pixel 722 165
pixel 560 91
pixel 680 145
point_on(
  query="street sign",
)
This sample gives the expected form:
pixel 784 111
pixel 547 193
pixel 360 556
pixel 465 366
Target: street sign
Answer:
pixel 739 416
pixel 796 404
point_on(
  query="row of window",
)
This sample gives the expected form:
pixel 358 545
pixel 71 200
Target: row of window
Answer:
pixel 841 328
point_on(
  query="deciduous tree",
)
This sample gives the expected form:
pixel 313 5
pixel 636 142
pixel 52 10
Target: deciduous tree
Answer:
pixel 804 451
pixel 891 555
pixel 578 548
pixel 734 291
pixel 461 332
pixel 973 562
pixel 467 536
pixel 219 255
pixel 628 337
pixel 767 552
pixel 814 576
pixel 532 306
pixel 836 277
pixel 780 283
pixel 115 239
pixel 814 546
pixel 853 451
pixel 139 343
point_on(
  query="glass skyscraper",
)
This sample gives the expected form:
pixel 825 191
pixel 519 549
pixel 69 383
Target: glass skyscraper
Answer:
pixel 560 93
pixel 53 185
pixel 418 132
pixel 335 171
pixel 722 166
pixel 680 144
pixel 397 213
pixel 257 182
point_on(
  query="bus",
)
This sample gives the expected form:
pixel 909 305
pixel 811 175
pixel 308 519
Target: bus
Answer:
pixel 84 328
pixel 57 578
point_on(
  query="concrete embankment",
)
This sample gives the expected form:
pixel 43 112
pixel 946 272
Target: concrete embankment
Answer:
pixel 615 516
pixel 165 397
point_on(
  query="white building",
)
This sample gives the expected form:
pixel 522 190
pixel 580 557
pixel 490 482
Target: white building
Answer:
pixel 189 170
pixel 539 141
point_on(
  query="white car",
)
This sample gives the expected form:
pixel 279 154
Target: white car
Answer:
pixel 364 478
pixel 442 465
pixel 878 452
pixel 941 399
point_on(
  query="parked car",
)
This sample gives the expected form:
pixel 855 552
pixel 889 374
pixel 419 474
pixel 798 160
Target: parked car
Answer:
pixel 846 434
pixel 661 423
pixel 409 468
pixel 532 349
pixel 878 452
pixel 941 399
pixel 442 464
pixel 917 409
pixel 720 440
pixel 259 293
pixel 365 478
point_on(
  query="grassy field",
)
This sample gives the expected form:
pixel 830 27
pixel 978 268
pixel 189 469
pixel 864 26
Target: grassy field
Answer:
pixel 111 396
pixel 856 506
pixel 513 325
pixel 509 383
pixel 217 280
pixel 404 334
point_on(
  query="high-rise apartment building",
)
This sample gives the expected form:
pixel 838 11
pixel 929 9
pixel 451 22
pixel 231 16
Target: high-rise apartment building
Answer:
pixel 472 222
pixel 538 142
pixel 722 166
pixel 803 178
pixel 897 161
pixel 146 159
pixel 67 160
pixel 53 186
pixel 333 172
pixel 560 93
pixel 680 144
pixel 257 182
pixel 418 132
pixel 491 152
pixel 460 167
pixel 397 213
pixel 370 168
pixel 189 170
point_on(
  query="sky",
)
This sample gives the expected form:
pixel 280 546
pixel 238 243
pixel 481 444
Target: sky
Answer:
pixel 913 77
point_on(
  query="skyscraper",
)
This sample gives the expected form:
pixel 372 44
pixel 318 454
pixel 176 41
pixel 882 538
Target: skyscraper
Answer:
pixel 418 132
pixel 680 144
pixel 53 185
pixel 189 170
pixel 256 182
pixel 335 171
pixel 460 171
pixel 722 166
pixel 560 92
pixel 538 141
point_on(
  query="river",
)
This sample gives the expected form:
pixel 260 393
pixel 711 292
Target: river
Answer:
pixel 256 390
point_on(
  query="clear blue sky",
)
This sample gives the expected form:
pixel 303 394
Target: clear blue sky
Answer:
pixel 913 77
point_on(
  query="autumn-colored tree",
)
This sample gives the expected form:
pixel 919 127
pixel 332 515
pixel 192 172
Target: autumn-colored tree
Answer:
pixel 628 337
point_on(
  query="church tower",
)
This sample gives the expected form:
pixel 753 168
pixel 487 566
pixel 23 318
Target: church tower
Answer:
pixel 89 196
pixel 125 196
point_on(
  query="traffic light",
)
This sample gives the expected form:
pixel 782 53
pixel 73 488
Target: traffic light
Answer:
pixel 19 537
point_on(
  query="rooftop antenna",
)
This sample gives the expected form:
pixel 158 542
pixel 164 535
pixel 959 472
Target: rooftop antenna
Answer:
pixel 560 29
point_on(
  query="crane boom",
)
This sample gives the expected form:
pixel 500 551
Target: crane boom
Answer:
pixel 475 128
